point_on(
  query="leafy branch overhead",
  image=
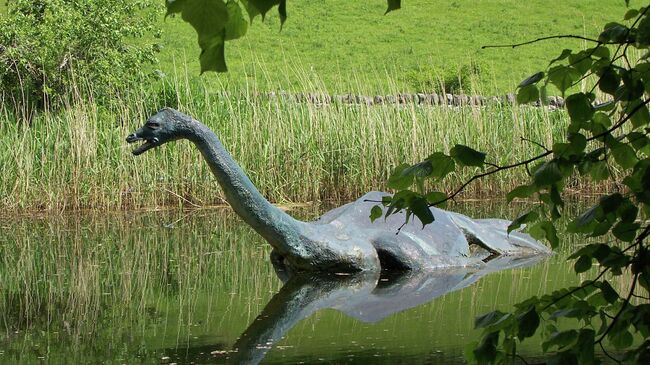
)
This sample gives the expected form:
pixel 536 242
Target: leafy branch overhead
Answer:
pixel 218 21
pixel 602 140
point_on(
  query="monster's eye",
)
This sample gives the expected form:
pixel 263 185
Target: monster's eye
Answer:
pixel 153 125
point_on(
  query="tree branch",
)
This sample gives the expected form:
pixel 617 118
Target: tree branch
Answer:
pixel 544 39
pixel 487 173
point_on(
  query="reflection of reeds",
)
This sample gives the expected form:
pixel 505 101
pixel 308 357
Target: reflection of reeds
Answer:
pixel 76 158
pixel 136 281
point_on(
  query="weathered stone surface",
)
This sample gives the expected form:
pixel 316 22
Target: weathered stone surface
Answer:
pixel 457 100
pixel 449 99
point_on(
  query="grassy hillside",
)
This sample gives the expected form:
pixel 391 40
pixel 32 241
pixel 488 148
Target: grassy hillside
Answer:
pixel 351 45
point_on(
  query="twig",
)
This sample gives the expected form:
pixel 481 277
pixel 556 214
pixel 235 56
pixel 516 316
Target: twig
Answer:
pixel 608 355
pixel 544 39
pixel 182 198
pixel 487 173
pixel 535 143
pixel 522 359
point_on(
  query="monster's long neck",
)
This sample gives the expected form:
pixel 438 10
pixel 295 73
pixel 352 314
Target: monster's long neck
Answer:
pixel 272 223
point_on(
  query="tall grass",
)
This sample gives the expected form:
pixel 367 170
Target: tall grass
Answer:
pixel 76 157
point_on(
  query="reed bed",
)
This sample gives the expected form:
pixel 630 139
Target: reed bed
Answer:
pixel 76 157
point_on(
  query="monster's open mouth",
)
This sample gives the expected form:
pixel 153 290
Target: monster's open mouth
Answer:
pixel 147 145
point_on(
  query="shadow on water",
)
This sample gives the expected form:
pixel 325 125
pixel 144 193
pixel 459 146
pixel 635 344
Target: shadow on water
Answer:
pixel 192 287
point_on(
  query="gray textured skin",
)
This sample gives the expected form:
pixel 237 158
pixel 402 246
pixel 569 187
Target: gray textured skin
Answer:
pixel 344 239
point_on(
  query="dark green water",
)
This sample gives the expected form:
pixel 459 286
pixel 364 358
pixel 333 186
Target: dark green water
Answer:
pixel 184 286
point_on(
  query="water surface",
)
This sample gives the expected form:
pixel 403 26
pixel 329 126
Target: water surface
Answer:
pixel 179 286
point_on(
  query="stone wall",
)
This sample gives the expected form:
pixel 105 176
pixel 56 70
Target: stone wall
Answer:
pixel 419 98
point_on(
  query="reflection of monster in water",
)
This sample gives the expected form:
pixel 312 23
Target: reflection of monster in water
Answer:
pixel 364 296
pixel 344 239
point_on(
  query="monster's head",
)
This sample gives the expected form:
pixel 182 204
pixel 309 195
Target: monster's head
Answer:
pixel 164 126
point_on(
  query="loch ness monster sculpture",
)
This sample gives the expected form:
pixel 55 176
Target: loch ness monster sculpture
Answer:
pixel 344 239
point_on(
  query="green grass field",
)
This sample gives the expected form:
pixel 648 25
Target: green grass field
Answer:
pixel 351 46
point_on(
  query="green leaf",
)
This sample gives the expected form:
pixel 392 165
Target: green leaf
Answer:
pixel 419 170
pixel 614 32
pixel 599 171
pixel 523 219
pixel 435 197
pixel 522 191
pixel 582 264
pixel 420 208
pixel 625 231
pixel 611 202
pixel 621 340
pixel 399 180
pixel 213 58
pixel 545 230
pixel 643 32
pixel 527 323
pixel 641 116
pixel 561 340
pixel 441 165
pixel 625 155
pixel 527 94
pixel 547 174
pixel 581 61
pixel 631 89
pixel 609 81
pixel 375 213
pixel 579 107
pixel 610 295
pixel 533 79
pixel 208 18
pixel 584 220
pixel 393 5
pixel 282 11
pixel 467 156
pixel 578 143
pixel 565 53
pixel 490 319
pixel 585 346
pixel 602 119
pixel 585 251
pixel 600 52
pixel 632 13
pixel 627 211
pixel 259 7
pixel 174 6
pixel 563 77
pixel 486 351
pixel 236 26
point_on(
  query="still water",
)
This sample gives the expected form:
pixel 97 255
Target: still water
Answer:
pixel 191 286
